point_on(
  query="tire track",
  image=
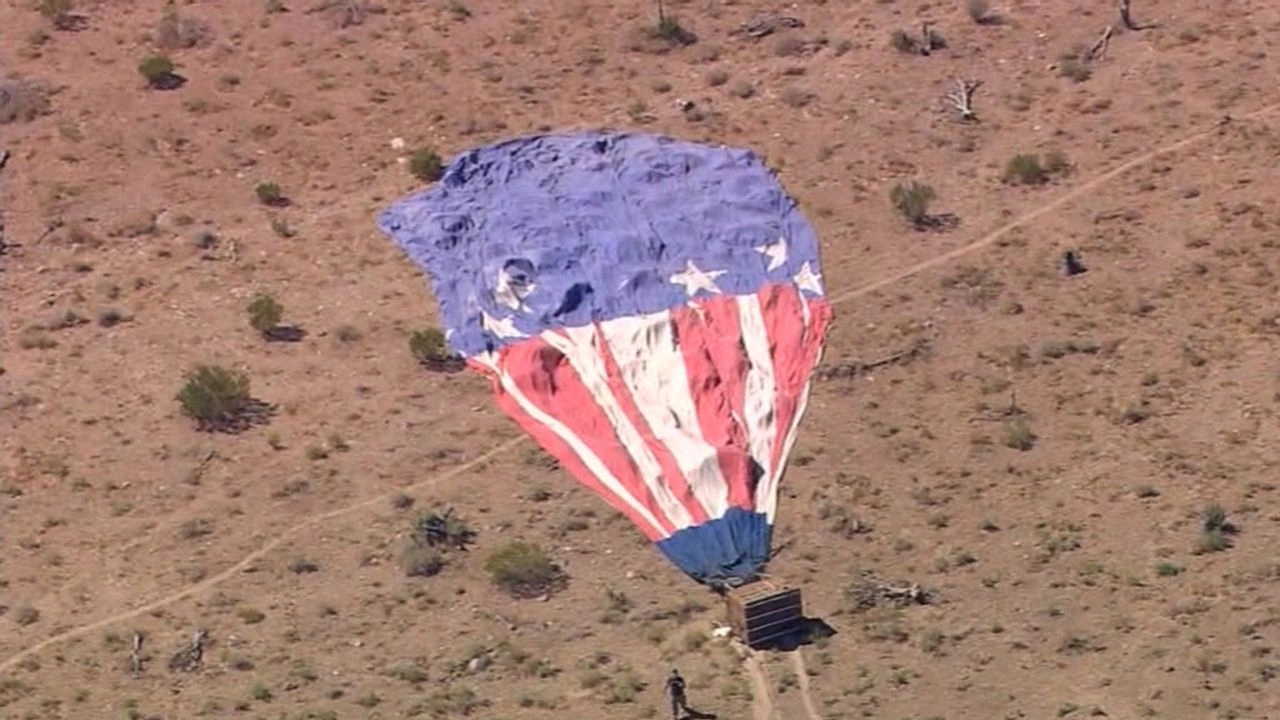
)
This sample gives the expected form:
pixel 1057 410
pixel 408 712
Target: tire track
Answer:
pixel 802 674
pixel 762 707
pixel 916 269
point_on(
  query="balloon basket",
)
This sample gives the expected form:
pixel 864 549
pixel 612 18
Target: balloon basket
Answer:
pixel 764 614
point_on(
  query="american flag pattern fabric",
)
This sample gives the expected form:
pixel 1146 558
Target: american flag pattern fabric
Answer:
pixel 649 310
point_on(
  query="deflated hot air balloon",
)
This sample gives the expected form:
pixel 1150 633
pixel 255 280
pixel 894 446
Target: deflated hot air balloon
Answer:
pixel 649 310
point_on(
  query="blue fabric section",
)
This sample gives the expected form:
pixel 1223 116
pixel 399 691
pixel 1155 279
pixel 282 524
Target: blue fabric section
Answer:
pixel 732 548
pixel 562 230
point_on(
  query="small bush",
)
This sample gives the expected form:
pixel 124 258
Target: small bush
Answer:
pixel 265 313
pixel 269 193
pixel 426 165
pixel 251 616
pixel 60 13
pixel 1214 517
pixel 912 201
pixel 214 396
pixel 1028 169
pixel 422 556
pixel 1056 163
pixel 524 570
pixel 23 101
pixel 1212 541
pixel 158 70
pixel 1216 532
pixel 795 97
pixel 980 12
pixel 434 529
pixel 110 317
pixel 1018 435
pixel 176 32
pixel 1074 69
pixel 420 561
pixel 1023 169
pixel 449 702
pixel 902 42
pixel 431 351
pixel 26 615
pixel 742 89
pixel 670 30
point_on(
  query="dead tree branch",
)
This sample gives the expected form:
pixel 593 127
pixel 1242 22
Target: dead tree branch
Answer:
pixel 135 654
pixel 854 368
pixel 767 25
pixel 962 98
pixel 191 657
pixel 869 592
pixel 1100 46
pixel 1127 19
pixel 928 39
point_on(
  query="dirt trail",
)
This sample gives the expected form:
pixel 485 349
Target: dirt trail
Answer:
pixel 802 674
pixel 1048 207
pixel 761 699
pixel 757 673
pixel 248 559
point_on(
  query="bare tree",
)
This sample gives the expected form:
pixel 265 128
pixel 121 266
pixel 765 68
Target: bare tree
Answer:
pixel 135 654
pixel 191 657
pixel 1099 47
pixel 962 98
pixel 929 40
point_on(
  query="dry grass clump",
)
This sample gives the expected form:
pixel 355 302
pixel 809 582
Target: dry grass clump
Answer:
pixel 23 100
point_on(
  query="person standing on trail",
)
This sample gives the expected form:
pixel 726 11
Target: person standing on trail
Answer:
pixel 675 691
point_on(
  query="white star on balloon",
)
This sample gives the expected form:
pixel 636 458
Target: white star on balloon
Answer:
pixel 776 252
pixel 694 279
pixel 809 280
pixel 504 328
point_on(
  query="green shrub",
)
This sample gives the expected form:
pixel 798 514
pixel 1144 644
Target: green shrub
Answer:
pixel 669 28
pixel 524 570
pixel 1216 531
pixel 1074 69
pixel 1024 169
pixel 157 69
pixel 431 350
pixel 269 193
pixel 59 12
pixel 912 201
pixel 1056 163
pixel 214 396
pixel 902 42
pixel 265 313
pixel 1018 435
pixel 420 561
pixel 426 165
pixel 979 11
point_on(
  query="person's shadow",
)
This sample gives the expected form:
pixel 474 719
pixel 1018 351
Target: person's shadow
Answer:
pixel 691 714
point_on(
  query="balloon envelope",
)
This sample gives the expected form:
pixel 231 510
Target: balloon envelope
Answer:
pixel 649 310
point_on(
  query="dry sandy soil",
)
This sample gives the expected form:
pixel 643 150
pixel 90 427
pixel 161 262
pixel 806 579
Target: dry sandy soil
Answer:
pixel 1041 467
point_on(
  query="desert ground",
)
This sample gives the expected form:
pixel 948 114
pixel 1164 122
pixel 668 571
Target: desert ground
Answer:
pixel 1078 472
